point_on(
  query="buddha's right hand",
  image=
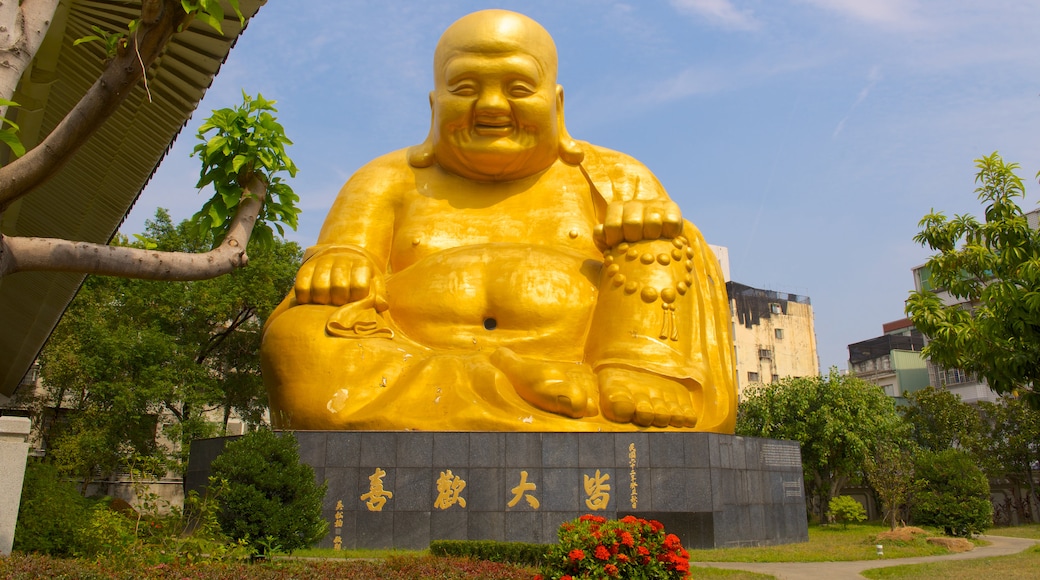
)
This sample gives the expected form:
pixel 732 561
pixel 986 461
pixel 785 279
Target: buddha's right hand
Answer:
pixel 340 277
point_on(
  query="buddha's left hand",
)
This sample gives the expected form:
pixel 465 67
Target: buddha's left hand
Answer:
pixel 636 220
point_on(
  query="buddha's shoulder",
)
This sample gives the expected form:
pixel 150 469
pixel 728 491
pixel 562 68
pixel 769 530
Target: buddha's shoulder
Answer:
pixel 598 155
pixel 391 166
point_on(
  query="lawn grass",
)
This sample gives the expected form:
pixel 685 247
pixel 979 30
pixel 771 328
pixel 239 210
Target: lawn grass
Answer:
pixel 1021 566
pixel 1031 531
pixel 826 544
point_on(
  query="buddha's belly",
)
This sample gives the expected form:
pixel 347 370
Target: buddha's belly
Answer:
pixel 533 299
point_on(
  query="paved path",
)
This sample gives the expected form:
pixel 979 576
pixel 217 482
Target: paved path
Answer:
pixel 999 546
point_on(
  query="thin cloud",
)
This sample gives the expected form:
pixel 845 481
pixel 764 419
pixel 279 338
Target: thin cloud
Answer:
pixel 885 13
pixel 719 13
pixel 873 77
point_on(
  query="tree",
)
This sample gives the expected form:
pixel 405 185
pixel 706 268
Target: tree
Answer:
pixel 992 269
pixel 839 420
pixel 1013 450
pixel 266 496
pixel 241 160
pixel 134 356
pixel 890 472
pixel 951 492
pixel 940 420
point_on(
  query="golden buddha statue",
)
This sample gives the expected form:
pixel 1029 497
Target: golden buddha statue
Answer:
pixel 501 275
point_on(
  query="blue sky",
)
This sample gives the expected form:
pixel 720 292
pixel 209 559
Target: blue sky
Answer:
pixel 807 136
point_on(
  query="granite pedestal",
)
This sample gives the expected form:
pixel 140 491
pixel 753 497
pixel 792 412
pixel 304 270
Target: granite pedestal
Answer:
pixel 405 489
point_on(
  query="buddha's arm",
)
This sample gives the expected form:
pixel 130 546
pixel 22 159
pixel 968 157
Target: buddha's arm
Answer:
pixel 353 248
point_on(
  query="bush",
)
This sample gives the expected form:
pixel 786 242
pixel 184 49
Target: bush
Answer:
pixel 106 533
pixel 630 548
pixel 952 493
pixel 845 510
pixel 50 513
pixel 512 552
pixel 266 497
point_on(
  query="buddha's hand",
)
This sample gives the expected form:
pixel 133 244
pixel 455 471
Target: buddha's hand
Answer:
pixel 338 278
pixel 637 220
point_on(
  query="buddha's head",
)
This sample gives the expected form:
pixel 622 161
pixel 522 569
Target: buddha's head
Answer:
pixel 497 110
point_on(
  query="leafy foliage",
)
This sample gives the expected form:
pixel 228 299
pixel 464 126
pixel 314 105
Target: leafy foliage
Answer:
pixel 838 419
pixel 266 496
pixel 131 358
pixel 211 12
pixel 632 548
pixel 890 472
pixel 951 493
pixel 514 552
pixel 247 141
pixel 845 510
pixel 9 131
pixel 1012 451
pixel 51 510
pixel 939 419
pixel 992 268
pixel 395 568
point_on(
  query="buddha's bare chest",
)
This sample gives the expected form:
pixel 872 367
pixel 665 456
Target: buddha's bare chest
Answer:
pixel 560 216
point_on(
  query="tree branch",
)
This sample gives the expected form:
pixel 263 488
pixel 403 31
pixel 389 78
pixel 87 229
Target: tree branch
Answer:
pixel 102 99
pixel 48 254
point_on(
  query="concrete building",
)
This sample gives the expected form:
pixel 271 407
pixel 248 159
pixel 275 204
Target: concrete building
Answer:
pixel 893 360
pixel 970 388
pixel 774 335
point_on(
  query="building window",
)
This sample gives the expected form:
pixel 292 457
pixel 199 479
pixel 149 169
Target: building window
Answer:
pixel 776 378
pixel 779 333
pixel 765 353
pixel 774 308
pixel 752 377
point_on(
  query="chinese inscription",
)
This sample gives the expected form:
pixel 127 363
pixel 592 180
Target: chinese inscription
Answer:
pixel 449 491
pixel 598 491
pixel 522 490
pixel 376 497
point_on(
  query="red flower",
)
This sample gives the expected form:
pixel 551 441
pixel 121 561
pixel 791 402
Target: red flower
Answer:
pixel 602 553
pixel 592 518
pixel 643 551
pixel 566 577
pixel 614 548
pixel 656 525
pixel 629 519
pixel 598 535
pixel 627 539
pixel 671 542
pixel 610 569
pixel 537 577
pixel 575 555
pixel 622 558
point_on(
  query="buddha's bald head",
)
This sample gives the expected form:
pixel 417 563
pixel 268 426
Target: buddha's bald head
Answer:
pixel 497 32
pixel 497 110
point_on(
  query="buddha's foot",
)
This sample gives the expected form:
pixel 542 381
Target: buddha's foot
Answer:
pixel 561 388
pixel 632 396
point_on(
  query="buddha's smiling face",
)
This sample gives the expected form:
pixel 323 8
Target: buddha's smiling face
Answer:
pixel 497 110
pixel 495 116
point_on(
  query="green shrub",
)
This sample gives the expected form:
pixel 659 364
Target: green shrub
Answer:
pixel 512 552
pixel 266 497
pixel 50 512
pixel 106 533
pixel 845 510
pixel 952 493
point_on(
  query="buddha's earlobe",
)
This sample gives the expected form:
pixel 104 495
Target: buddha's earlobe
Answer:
pixel 570 151
pixel 421 155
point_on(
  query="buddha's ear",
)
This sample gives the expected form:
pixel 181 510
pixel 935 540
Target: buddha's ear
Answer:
pixel 571 152
pixel 421 155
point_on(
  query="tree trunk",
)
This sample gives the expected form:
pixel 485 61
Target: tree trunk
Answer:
pixel 23 26
pixel 160 20
pixel 25 254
